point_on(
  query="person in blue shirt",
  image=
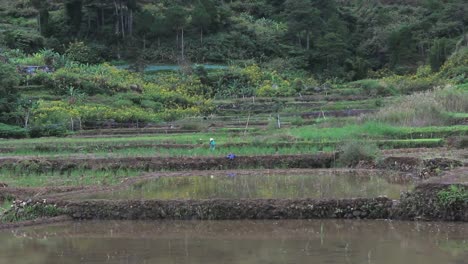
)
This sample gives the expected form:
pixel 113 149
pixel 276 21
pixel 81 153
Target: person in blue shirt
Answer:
pixel 212 144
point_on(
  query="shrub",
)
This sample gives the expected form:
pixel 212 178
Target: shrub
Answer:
pixel 9 78
pixel 374 87
pixel 355 151
pixel 149 104
pixel 41 78
pixel 8 131
pixel 49 130
pixel 22 211
pixel 28 41
pixel 453 195
pixel 456 67
pixel 80 52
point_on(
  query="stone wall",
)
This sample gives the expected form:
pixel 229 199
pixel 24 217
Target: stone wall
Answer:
pixel 321 160
pixel 224 209
pixel 424 203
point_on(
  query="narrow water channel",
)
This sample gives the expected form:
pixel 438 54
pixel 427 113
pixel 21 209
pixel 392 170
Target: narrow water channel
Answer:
pixel 299 241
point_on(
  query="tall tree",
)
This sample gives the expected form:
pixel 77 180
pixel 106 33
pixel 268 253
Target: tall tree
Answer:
pixel 200 18
pixel 439 52
pixel 42 7
pixel 401 46
pixel 302 17
pixel 177 17
pixel 144 24
pixel 74 14
pixel 9 78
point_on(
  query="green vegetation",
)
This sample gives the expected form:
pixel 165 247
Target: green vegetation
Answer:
pixel 23 211
pixel 27 176
pixel 354 152
pixel 331 39
pixel 453 195
pixel 132 78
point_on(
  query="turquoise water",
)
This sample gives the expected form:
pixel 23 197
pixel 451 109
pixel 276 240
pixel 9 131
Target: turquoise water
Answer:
pixel 151 68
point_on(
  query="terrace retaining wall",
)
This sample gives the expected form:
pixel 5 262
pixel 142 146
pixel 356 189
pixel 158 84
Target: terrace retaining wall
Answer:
pixel 322 160
pixel 224 209
pixel 424 204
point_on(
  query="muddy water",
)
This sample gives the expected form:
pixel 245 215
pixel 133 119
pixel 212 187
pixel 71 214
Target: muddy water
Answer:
pixel 232 185
pixel 246 242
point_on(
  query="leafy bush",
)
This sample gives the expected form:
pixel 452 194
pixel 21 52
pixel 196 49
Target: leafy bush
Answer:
pixel 354 152
pixel 27 41
pixel 456 67
pixel 8 131
pixel 80 52
pixel 23 211
pixel 40 78
pixel 49 130
pixel 9 78
pixel 374 87
pixel 454 194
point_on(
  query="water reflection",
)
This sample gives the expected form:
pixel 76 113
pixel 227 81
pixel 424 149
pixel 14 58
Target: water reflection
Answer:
pixel 232 185
pixel 238 242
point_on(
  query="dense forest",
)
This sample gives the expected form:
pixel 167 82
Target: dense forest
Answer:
pixel 344 39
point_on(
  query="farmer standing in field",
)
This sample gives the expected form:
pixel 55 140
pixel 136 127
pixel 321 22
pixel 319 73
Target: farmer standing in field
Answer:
pixel 212 144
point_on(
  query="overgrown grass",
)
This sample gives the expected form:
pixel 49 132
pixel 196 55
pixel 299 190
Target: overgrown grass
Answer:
pixel 178 152
pixel 20 178
pixel 311 133
pixel 430 108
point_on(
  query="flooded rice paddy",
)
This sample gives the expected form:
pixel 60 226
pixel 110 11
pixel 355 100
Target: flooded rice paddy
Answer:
pixel 297 241
pixel 238 186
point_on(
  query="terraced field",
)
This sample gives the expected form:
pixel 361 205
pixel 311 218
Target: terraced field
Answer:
pixel 267 150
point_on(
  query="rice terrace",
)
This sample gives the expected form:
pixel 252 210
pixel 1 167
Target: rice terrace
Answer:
pixel 206 131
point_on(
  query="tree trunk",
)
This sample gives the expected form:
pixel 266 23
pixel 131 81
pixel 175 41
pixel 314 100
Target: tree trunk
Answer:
pixel 89 23
pixel 39 21
pixel 201 36
pixel 279 122
pixel 122 19
pixel 130 23
pixel 308 40
pixel 117 24
pixel 26 119
pixel 102 17
pixel 182 48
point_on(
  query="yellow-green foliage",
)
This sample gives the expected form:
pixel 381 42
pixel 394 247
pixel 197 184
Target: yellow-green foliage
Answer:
pixel 266 83
pixel 92 79
pixel 456 67
pixel 423 80
pixel 35 59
